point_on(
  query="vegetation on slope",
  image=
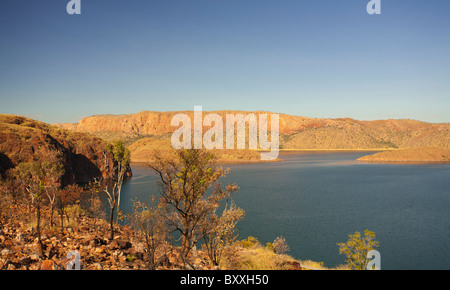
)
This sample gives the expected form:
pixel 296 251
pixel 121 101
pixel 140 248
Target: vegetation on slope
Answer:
pixel 84 156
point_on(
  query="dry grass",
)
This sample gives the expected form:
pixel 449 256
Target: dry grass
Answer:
pixel 254 256
pixel 312 265
pixel 257 258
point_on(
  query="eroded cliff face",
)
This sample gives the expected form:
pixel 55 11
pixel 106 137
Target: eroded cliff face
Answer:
pixel 159 123
pixel 84 156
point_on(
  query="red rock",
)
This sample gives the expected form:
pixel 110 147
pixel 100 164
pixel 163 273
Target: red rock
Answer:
pixel 48 265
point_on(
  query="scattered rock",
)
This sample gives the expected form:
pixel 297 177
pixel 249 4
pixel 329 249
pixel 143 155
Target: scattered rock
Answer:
pixel 31 230
pixel 19 237
pixel 292 265
pixel 48 265
pixel 19 249
pixel 3 263
pixel 35 257
pixel 95 266
pixel 5 252
pixel 25 260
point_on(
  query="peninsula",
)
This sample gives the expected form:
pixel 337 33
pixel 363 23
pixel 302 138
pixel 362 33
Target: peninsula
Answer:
pixel 424 154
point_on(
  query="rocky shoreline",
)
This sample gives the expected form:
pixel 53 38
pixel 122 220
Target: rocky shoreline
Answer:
pixel 19 248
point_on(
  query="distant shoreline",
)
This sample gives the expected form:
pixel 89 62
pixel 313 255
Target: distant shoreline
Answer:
pixel 225 162
pixel 379 155
pixel 281 151
pixel 334 150
pixel 404 162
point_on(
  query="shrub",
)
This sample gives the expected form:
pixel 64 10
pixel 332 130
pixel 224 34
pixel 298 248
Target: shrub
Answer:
pixel 280 246
pixel 250 242
pixel 269 247
pixel 356 249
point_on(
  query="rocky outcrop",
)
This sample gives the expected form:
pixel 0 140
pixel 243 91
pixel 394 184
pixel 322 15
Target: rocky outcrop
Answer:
pixel 19 248
pixel 84 156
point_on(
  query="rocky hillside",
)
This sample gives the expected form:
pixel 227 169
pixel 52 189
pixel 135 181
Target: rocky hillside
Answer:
pixel 84 156
pixel 20 250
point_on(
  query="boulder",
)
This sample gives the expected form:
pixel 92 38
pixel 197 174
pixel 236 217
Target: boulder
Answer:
pixel 95 266
pixel 5 252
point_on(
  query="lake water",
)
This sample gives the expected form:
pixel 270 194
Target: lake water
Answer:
pixel 316 199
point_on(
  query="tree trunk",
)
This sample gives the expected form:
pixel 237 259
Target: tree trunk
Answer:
pixel 62 221
pixel 119 187
pixel 120 175
pixel 51 215
pixel 111 222
pixel 38 227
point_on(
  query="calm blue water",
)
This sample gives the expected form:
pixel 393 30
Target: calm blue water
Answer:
pixel 315 200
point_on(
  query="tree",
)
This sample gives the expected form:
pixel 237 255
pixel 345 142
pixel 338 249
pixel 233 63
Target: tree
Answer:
pixel 356 249
pixel 220 235
pixel 122 158
pixel 64 197
pixel 10 190
pixel 191 193
pixel 148 221
pixel 280 246
pixel 39 175
pixel 51 194
pixel 94 204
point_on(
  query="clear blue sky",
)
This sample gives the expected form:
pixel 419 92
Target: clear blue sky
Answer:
pixel 314 58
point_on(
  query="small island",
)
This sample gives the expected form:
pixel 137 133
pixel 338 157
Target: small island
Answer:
pixel 421 154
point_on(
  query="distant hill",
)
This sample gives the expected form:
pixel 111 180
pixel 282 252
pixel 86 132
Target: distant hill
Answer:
pixel 295 132
pixel 83 154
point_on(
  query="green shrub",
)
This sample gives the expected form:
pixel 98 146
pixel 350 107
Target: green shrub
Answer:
pixel 269 246
pixel 250 242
